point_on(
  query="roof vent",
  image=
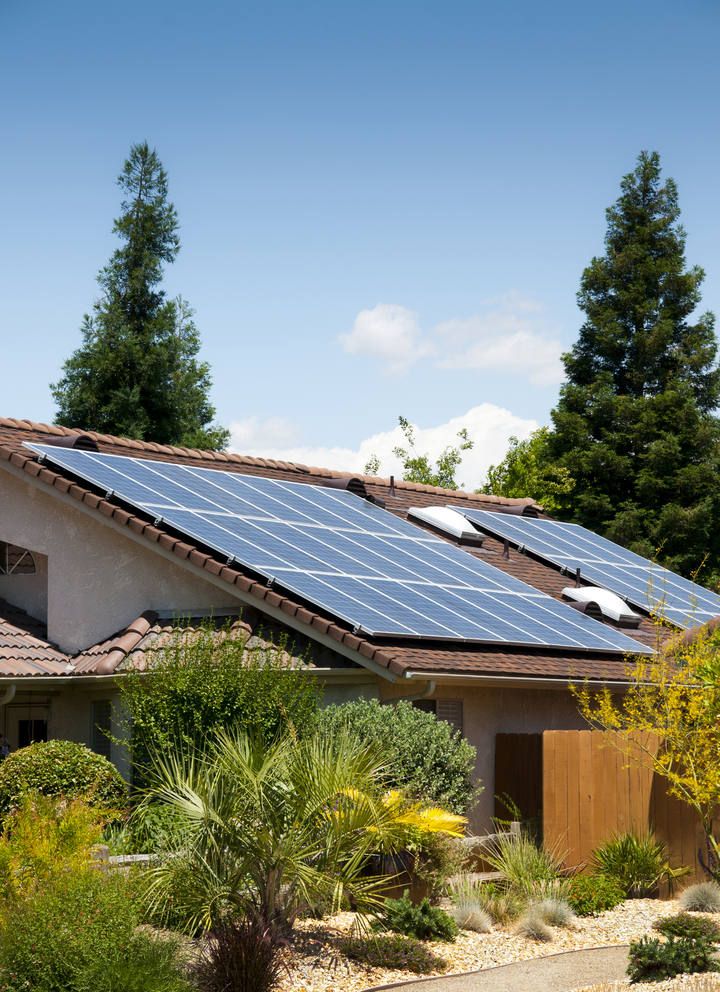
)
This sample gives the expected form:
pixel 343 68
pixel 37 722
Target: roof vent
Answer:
pixel 354 485
pixel 446 521
pixel 602 605
pixel 516 509
pixel 81 442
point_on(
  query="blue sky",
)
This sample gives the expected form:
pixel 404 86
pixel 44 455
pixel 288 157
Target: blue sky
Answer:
pixel 385 206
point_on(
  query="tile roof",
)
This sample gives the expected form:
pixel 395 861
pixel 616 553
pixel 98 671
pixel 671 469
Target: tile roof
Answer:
pixel 398 497
pixel 25 650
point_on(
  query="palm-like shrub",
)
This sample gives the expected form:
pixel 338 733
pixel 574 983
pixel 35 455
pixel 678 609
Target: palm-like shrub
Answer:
pixel 638 863
pixel 273 831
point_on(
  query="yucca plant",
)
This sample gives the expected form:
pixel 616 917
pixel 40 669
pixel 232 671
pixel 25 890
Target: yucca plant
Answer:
pixel 274 831
pixel 639 863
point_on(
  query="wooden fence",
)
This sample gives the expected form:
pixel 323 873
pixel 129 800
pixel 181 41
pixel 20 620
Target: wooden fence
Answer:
pixel 583 789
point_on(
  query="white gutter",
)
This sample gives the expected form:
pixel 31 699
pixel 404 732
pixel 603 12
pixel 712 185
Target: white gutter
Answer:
pixel 504 681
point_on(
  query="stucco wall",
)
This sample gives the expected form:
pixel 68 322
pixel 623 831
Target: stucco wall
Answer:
pixel 98 580
pixel 491 711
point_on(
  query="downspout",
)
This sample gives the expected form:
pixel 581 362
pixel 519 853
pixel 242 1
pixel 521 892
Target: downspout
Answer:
pixel 8 695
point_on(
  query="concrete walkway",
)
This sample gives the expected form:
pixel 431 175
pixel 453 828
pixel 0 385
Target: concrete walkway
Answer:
pixel 555 973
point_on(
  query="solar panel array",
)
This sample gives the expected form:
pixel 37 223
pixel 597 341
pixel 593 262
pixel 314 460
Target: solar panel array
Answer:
pixel 604 563
pixel 342 554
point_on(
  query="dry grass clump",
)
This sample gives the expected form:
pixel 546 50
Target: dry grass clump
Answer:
pixel 471 915
pixel 555 912
pixel 532 926
pixel 701 898
pixel 501 905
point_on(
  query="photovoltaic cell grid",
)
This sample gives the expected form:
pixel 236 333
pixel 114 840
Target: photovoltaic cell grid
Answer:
pixel 342 554
pixel 604 563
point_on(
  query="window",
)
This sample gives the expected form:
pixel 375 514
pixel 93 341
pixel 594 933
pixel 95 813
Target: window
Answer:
pixel 15 560
pixel 102 723
pixel 31 732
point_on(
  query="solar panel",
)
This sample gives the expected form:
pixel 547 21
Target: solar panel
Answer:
pixel 604 563
pixel 342 554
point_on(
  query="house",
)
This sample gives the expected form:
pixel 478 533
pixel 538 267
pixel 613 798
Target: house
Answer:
pixel 89 583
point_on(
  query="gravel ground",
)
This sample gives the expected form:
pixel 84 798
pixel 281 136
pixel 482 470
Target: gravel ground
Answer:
pixel 317 965
pixel 684 983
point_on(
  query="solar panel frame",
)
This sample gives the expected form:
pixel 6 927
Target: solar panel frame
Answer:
pixel 640 582
pixel 406 582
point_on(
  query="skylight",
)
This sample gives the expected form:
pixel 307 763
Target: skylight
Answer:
pixel 447 521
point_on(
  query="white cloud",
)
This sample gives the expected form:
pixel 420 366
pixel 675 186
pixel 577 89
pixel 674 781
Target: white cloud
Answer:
pixel 489 426
pixel 509 335
pixel 390 333
pixel 270 432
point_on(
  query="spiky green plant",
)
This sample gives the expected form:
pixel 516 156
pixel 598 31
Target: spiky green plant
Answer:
pixel 555 912
pixel 528 869
pixel 639 863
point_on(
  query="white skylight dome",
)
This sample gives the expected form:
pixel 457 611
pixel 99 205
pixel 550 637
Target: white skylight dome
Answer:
pixel 447 521
pixel 608 603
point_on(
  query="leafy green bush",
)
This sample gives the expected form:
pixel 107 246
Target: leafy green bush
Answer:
pixel 589 895
pixel 61 768
pixel 421 920
pixel 241 956
pixel 208 680
pixel 638 863
pixel 426 757
pixel 151 829
pixel 652 959
pixel 64 924
pixel 701 898
pixel 393 951
pixel 686 925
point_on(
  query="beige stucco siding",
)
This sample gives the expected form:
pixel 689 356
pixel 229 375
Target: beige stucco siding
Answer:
pixel 488 711
pixel 98 580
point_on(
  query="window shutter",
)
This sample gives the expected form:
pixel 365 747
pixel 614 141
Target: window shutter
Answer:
pixel 102 721
pixel 451 710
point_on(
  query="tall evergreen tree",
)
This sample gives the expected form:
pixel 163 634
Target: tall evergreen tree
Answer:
pixel 635 424
pixel 137 373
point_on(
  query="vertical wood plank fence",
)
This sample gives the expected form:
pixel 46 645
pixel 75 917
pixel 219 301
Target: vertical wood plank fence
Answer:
pixel 584 790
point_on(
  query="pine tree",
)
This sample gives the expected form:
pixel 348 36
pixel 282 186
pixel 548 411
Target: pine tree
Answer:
pixel 137 373
pixel 635 424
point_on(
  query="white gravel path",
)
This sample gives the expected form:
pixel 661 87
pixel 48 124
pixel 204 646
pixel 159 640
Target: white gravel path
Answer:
pixel 316 964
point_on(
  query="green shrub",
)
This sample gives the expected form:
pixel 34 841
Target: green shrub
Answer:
pixel 149 963
pixel 61 768
pixel 652 960
pixel 438 858
pixel 208 681
pixel 65 925
pixel 686 925
pixel 421 920
pixel 426 757
pixel 589 895
pixel 638 863
pixel 701 898
pixel 151 829
pixel 392 951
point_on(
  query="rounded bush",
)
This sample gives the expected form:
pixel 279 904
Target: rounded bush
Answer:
pixel 60 768
pixel 592 894
pixel 426 757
